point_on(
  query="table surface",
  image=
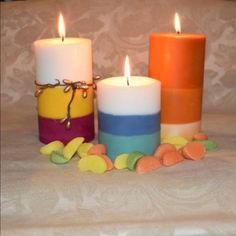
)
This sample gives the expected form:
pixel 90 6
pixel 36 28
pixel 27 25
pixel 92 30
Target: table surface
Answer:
pixel 40 198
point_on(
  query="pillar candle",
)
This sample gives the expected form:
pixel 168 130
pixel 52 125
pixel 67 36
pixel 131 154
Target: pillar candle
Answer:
pixel 177 60
pixel 129 114
pixel 59 59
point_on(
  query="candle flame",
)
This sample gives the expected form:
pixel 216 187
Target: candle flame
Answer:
pixel 61 27
pixel 127 69
pixel 177 23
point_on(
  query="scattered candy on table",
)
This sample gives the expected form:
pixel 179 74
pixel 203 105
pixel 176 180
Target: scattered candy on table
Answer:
pixel 177 141
pixel 162 149
pixel 200 136
pixel 57 157
pixel 83 149
pixel 49 148
pixel 93 157
pixel 147 164
pixel 121 161
pixel 172 158
pixel 98 149
pixel 108 161
pixel 72 147
pixel 133 157
pixel 194 151
pixel 210 145
pixel 93 163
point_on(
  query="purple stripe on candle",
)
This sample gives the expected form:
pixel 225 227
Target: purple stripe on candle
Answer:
pixel 51 129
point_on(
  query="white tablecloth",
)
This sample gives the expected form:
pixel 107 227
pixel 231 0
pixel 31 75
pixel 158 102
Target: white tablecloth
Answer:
pixel 40 198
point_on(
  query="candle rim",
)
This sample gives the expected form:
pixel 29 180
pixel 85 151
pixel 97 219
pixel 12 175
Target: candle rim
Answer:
pixel 56 41
pixel 123 83
pixel 176 35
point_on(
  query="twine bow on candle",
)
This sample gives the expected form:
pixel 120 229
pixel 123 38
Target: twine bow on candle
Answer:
pixel 69 85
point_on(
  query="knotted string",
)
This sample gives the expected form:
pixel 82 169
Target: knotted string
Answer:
pixel 69 85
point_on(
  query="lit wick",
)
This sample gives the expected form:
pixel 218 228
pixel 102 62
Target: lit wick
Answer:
pixel 127 70
pixel 61 28
pixel 177 24
pixel 127 80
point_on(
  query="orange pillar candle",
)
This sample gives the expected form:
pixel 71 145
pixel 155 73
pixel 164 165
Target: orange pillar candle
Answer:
pixel 177 60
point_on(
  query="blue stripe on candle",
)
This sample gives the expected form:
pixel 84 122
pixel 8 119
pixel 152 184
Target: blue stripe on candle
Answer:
pixel 117 145
pixel 129 125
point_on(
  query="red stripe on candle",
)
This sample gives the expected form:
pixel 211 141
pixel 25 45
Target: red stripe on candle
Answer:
pixel 51 129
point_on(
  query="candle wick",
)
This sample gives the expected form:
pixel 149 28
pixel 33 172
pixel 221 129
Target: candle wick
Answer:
pixel 178 32
pixel 62 38
pixel 127 80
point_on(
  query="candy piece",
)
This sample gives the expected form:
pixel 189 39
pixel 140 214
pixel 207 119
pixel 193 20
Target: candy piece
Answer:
pixel 177 141
pixel 83 149
pixel 93 163
pixel 50 147
pixel 200 136
pixel 98 149
pixel 133 158
pixel 71 148
pixel 180 151
pixel 172 158
pixel 146 164
pixel 194 151
pixel 108 161
pixel 210 145
pixel 121 161
pixel 57 157
pixel 162 149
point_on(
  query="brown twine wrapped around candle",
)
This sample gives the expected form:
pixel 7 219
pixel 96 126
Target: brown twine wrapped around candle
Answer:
pixel 68 84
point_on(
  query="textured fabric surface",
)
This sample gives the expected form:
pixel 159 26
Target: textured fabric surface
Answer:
pixel 40 198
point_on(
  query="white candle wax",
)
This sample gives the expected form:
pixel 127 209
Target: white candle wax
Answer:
pixel 141 97
pixel 70 59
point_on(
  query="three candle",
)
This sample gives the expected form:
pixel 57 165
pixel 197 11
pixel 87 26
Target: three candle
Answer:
pixel 128 106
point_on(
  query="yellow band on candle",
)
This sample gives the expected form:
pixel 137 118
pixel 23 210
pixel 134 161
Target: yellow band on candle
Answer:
pixel 53 103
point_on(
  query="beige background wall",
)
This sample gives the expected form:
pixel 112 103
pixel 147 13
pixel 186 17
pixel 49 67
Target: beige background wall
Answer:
pixel 118 28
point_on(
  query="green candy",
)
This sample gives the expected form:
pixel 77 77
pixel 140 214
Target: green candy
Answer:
pixel 57 157
pixel 210 145
pixel 133 158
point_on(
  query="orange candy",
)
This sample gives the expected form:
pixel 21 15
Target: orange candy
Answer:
pixel 98 149
pixel 146 164
pixel 108 161
pixel 194 151
pixel 180 151
pixel 172 158
pixel 163 149
pixel 200 136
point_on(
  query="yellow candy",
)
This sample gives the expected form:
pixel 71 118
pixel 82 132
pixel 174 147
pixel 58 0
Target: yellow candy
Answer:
pixel 178 141
pixel 50 147
pixel 93 163
pixel 71 148
pixel 83 149
pixel 121 161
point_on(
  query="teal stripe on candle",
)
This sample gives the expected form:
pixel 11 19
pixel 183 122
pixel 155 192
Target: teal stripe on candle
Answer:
pixel 125 144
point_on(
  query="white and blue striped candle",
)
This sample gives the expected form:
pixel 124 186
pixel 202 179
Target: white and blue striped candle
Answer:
pixel 129 114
